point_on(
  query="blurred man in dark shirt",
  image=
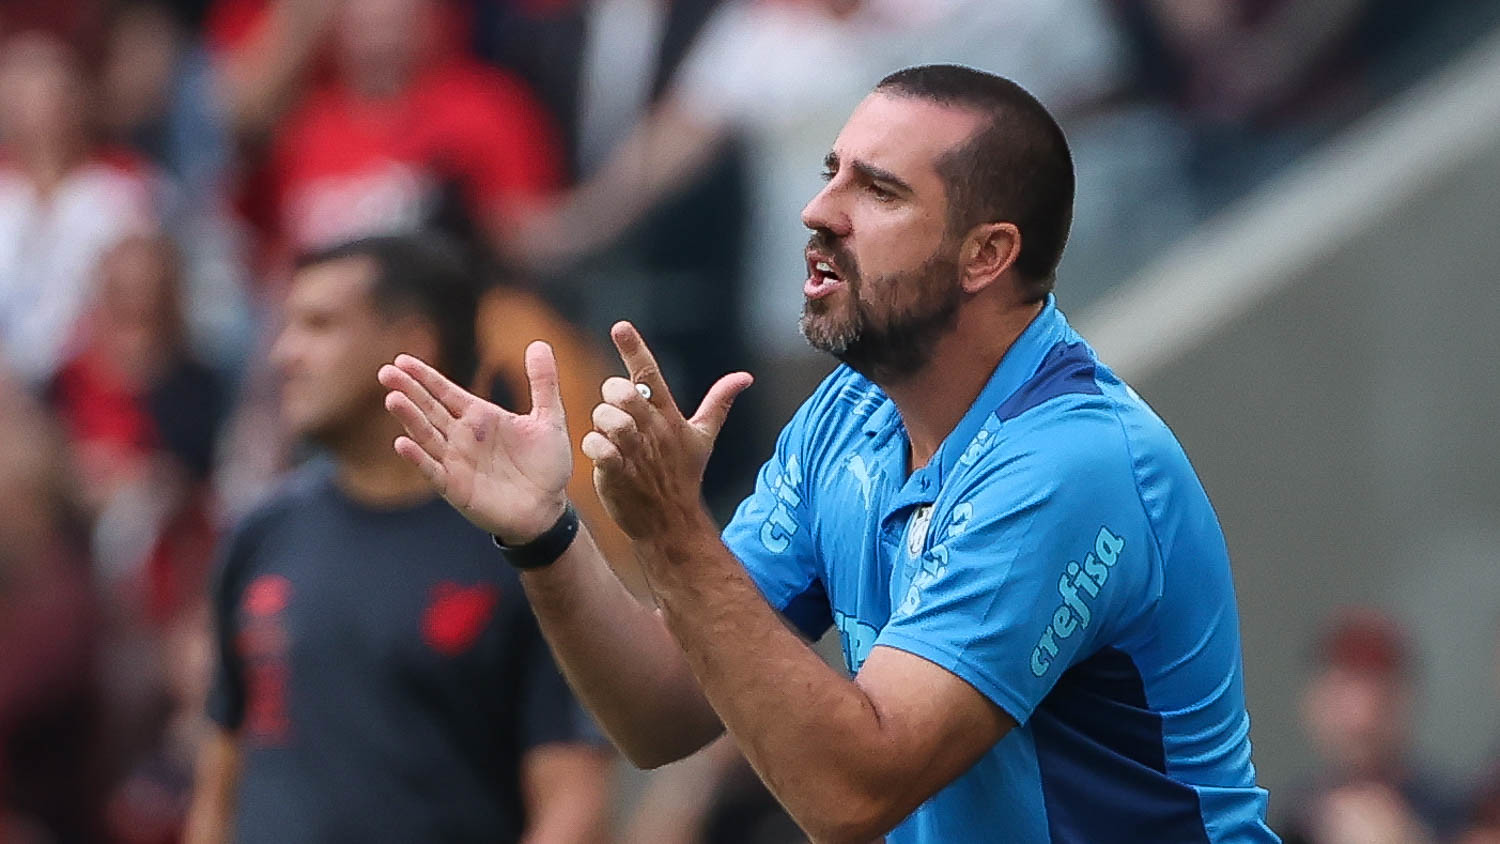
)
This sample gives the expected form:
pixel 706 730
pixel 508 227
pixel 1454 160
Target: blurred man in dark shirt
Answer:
pixel 380 676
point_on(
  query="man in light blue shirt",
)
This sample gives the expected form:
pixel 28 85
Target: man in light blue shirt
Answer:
pixel 1031 589
pixel 1059 555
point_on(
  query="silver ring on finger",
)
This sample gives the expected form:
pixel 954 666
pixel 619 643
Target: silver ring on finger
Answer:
pixel 644 390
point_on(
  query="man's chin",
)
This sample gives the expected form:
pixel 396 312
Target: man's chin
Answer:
pixel 304 426
pixel 302 433
pixel 825 337
pixel 825 329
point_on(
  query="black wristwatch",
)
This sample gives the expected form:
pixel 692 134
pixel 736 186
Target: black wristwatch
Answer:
pixel 545 549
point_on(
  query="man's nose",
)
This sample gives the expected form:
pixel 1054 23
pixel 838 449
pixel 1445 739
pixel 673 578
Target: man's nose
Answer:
pixel 824 212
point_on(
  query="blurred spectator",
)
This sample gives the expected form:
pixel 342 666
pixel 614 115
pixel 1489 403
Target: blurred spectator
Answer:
pixel 379 674
pixel 63 202
pixel 596 64
pixel 148 804
pixel 142 48
pixel 406 132
pixel 143 417
pixel 1258 82
pixel 159 95
pixel 158 98
pixel 49 769
pixel 1249 61
pixel 1357 710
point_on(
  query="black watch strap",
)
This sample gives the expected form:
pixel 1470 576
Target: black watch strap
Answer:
pixel 545 549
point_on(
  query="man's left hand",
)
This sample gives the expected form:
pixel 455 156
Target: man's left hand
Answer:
pixel 649 459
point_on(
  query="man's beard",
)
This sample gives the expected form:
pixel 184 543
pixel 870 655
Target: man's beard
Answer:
pixel 886 348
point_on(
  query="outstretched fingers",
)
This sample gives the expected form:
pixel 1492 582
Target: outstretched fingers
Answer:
pixel 418 425
pixel 401 382
pixel 430 468
pixel 546 390
pixel 714 408
pixel 454 399
pixel 641 364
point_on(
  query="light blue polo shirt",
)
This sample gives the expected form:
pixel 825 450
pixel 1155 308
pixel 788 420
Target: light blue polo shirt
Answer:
pixel 1059 554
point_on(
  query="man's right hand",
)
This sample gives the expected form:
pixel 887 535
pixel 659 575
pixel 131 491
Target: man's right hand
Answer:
pixel 505 472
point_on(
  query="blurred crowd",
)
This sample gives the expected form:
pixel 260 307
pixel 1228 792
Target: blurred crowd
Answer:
pixel 164 162
pixel 1369 785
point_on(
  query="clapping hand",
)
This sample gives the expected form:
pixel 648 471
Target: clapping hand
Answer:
pixel 648 458
pixel 505 472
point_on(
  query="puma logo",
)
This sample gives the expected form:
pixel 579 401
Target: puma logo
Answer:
pixel 861 472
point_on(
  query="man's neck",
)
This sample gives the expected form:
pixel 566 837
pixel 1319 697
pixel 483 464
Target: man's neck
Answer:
pixel 935 399
pixel 369 471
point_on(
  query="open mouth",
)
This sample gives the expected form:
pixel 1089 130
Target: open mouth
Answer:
pixel 822 278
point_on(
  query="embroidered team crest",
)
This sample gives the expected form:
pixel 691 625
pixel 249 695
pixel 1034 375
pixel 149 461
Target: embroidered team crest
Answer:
pixel 457 615
pixel 263 642
pixel 916 529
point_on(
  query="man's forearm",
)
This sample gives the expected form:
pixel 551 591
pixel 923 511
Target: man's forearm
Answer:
pixel 619 658
pixel 567 793
pixel 812 734
pixel 663 154
pixel 261 78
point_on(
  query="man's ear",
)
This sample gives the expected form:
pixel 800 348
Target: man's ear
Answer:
pixel 988 252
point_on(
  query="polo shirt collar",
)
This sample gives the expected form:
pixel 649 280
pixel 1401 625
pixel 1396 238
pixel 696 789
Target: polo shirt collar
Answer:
pixel 1020 362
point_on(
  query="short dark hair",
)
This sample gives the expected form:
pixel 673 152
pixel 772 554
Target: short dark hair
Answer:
pixel 425 274
pixel 1015 168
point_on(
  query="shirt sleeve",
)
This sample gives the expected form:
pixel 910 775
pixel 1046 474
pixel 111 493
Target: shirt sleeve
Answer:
pixel 1040 560
pixel 770 533
pixel 226 692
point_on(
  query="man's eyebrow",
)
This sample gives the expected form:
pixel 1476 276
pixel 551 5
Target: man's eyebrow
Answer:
pixel 870 173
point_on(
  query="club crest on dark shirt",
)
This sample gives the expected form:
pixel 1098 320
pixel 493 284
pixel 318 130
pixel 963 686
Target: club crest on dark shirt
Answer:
pixel 456 615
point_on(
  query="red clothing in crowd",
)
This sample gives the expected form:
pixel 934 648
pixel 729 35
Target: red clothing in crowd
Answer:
pixel 117 429
pixel 342 166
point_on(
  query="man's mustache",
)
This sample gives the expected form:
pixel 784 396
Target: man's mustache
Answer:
pixel 825 241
